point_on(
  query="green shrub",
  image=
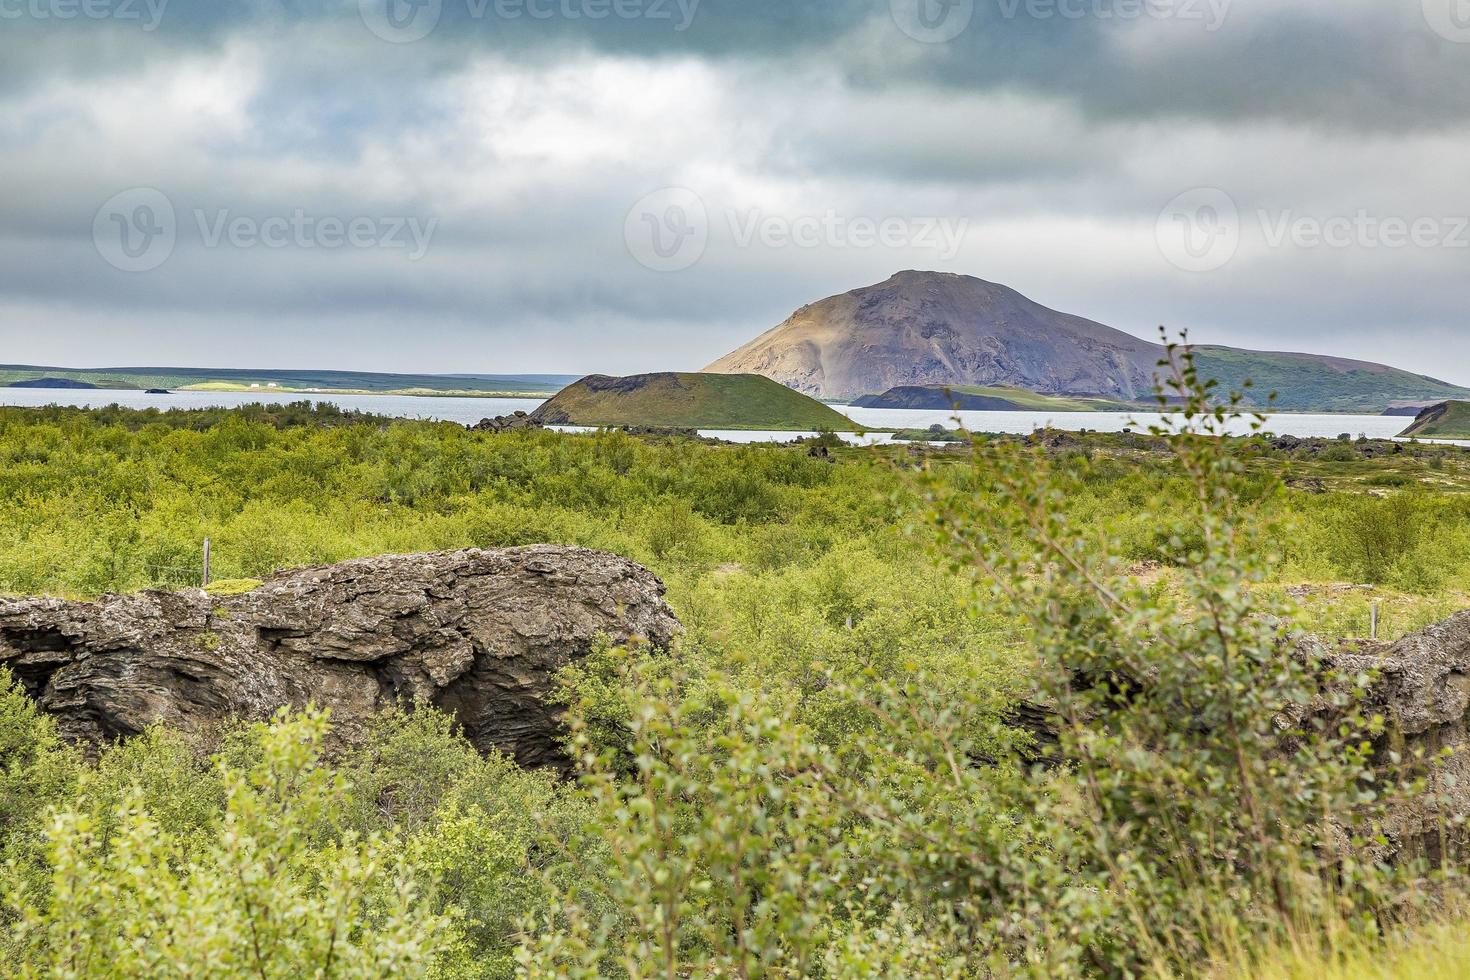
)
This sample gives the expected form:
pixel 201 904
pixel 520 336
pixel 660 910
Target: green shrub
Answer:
pixel 1373 534
pixel 268 895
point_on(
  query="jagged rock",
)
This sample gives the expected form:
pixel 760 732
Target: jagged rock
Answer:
pixel 477 633
pixel 667 432
pixel 1307 484
pixel 507 423
pixel 1421 687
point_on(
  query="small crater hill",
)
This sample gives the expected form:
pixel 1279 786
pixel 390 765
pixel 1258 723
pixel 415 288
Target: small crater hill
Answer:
pixel 696 401
pixel 1446 420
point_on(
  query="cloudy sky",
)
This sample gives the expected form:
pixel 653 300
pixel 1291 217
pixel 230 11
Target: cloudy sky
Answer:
pixel 628 185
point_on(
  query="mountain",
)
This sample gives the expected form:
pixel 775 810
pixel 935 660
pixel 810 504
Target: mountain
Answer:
pixel 935 328
pixel 699 401
pixel 969 398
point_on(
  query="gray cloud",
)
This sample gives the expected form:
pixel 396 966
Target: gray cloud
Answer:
pixel 1357 63
pixel 1055 140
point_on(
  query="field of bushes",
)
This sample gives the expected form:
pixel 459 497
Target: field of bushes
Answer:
pixel 818 781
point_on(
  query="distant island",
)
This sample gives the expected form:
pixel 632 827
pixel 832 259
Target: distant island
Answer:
pixel 972 398
pixel 269 381
pixel 1446 420
pixel 931 329
pixel 1408 409
pixel 700 401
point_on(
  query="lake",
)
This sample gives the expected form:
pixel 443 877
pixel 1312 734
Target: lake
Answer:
pixel 468 411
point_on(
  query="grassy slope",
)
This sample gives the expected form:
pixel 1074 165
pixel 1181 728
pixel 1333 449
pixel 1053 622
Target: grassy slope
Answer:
pixel 1305 385
pixel 337 381
pixel 1301 384
pixel 1448 421
pixel 1031 401
pixel 708 401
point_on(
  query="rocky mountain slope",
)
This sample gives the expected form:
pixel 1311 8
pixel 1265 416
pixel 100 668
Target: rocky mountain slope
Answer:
pixel 931 328
pixel 477 633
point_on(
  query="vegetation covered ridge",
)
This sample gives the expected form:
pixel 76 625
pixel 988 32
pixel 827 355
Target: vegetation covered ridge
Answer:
pixel 322 382
pixel 989 398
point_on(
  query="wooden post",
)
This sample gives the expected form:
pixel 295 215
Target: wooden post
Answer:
pixel 206 561
pixel 1373 622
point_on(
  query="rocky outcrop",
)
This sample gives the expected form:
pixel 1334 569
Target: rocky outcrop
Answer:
pixel 507 423
pixel 1344 446
pixel 1420 687
pixel 667 432
pixel 476 633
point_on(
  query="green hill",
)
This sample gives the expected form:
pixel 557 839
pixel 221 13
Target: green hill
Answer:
pixel 701 401
pixel 994 398
pixel 1317 383
pixel 1447 420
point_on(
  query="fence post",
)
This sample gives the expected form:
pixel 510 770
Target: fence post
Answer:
pixel 1373 622
pixel 206 562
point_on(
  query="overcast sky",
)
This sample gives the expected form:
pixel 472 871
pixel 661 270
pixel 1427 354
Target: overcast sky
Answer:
pixel 631 185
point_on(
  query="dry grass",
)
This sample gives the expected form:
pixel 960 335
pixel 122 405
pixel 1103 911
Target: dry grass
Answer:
pixel 1437 952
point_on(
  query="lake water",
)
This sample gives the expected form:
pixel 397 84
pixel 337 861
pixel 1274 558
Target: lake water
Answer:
pixel 1021 423
pixel 468 411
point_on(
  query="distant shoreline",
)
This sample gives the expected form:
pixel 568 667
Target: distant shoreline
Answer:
pixel 284 382
pixel 217 386
pixel 400 393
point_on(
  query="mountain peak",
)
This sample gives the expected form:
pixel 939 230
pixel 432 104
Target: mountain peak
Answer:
pixel 920 328
pixel 925 328
pixel 923 277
